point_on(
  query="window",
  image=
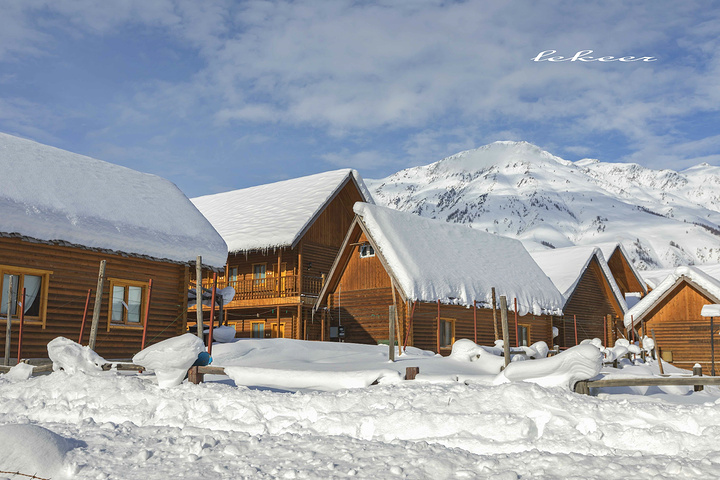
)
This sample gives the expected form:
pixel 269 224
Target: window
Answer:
pixel 367 251
pixel 127 299
pixel 233 274
pixel 447 332
pixel 258 329
pixel 524 335
pixel 35 282
pixel 274 330
pixel 259 270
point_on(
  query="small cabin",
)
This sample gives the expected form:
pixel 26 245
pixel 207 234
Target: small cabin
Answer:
pixel 593 302
pixel 61 214
pixel 437 279
pixel 283 238
pixel 673 311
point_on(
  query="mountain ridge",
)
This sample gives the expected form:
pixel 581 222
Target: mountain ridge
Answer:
pixel 664 218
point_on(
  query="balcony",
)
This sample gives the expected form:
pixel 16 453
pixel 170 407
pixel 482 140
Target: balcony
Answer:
pixel 271 288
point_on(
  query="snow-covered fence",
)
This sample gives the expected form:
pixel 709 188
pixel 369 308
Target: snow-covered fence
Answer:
pixel 584 386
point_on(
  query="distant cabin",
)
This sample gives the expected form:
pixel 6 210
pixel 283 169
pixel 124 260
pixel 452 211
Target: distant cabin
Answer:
pixel 283 238
pixel 60 215
pixel 673 310
pixel 594 305
pixel 626 275
pixel 433 275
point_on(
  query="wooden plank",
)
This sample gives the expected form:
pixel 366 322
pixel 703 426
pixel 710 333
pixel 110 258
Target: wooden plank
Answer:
pixel 653 381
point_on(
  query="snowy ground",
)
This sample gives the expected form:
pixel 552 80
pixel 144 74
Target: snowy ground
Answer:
pixel 124 426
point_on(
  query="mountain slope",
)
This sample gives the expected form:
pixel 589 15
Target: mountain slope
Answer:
pixel 663 218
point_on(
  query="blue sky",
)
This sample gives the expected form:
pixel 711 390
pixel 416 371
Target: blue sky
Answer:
pixel 219 95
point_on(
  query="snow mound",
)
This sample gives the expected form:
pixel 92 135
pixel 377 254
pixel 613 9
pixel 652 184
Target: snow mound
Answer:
pixel 171 358
pixel 487 361
pixel 310 380
pixel 73 357
pixel 222 334
pixel 34 450
pixel 581 362
pixel 21 371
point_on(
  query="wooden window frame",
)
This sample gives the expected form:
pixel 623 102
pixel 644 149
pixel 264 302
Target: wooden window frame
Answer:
pixel 273 326
pixel 252 325
pixel 44 289
pixel 119 282
pixel 264 264
pixel 529 334
pixel 364 250
pixel 452 341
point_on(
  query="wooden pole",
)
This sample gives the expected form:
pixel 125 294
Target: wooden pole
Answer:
pixel 8 323
pixel 605 333
pixel 277 323
pixel 82 325
pixel 697 372
pixel 475 318
pixel 97 305
pixel 575 321
pixel 407 332
pixel 437 340
pixel 712 348
pixel 212 314
pixel 22 322
pixel 495 325
pixel 146 319
pixel 517 336
pixel 657 350
pixel 411 372
pixel 391 336
pixel 396 320
pixel 198 294
pixel 505 328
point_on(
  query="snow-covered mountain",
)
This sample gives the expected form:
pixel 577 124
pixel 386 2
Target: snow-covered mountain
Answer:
pixel 662 217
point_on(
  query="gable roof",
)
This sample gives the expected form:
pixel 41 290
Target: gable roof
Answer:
pixel 431 260
pixel 53 195
pixel 566 267
pixel 277 214
pixel 701 280
pixel 653 278
pixel 609 249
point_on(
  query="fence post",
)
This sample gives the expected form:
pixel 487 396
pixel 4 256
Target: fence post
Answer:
pixel 411 373
pixel 97 305
pixel 697 372
pixel 8 329
pixel 505 328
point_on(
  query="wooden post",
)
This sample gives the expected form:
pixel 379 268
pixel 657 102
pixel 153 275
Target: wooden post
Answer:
pixel 194 376
pixel 606 333
pixel 198 294
pixel 322 325
pixel 712 348
pixel 575 321
pixel 97 305
pixel 437 340
pixel 22 322
pixel 410 322
pixel 697 372
pixel 397 322
pixel 279 276
pixel 411 373
pixel 517 336
pixel 391 336
pixel 505 328
pixel 82 325
pixel 146 319
pixel 212 313
pixel 8 329
pixel 495 327
pixel 302 323
pixel 657 349
pixel 475 318
pixel 277 323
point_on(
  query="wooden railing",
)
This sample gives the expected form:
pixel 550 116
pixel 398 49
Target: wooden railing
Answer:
pixel 271 287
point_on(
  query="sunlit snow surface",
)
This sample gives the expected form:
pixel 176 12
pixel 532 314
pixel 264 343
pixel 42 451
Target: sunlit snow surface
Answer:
pixel 132 429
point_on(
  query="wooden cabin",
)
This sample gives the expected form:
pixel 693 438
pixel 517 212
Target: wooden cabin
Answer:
pixel 61 214
pixel 673 311
pixel 437 277
pixel 627 277
pixel 283 238
pixel 594 304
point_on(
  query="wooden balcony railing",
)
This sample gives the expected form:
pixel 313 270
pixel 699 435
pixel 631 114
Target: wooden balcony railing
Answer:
pixel 271 287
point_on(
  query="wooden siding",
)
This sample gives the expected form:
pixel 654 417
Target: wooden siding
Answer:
pixel 75 270
pixel 591 302
pixel 623 274
pixel 680 329
pixel 332 224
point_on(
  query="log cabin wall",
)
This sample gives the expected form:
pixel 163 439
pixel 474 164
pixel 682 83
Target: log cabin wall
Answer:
pixel 591 302
pixel 680 330
pixel 74 271
pixel 623 274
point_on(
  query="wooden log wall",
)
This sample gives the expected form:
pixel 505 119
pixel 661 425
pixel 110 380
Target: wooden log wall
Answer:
pixel 75 271
pixel 624 276
pixel 590 303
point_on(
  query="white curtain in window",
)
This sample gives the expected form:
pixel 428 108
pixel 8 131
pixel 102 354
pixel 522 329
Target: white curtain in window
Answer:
pixel 117 303
pixel 134 303
pixel 31 283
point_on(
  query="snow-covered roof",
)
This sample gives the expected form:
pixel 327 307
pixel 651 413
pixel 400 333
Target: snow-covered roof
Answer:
pixel 655 277
pixel 54 195
pixel 433 260
pixel 710 285
pixel 566 266
pixel 276 214
pixel 609 248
